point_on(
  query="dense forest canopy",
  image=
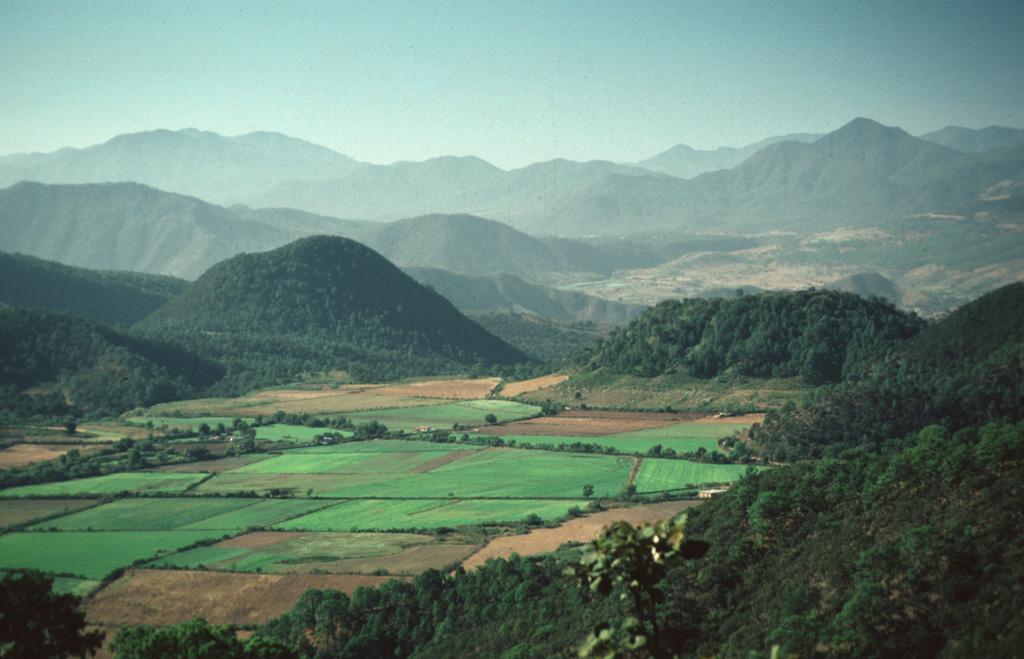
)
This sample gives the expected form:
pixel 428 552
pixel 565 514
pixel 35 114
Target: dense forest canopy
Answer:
pixel 822 335
pixel 321 303
pixel 965 370
pixel 108 297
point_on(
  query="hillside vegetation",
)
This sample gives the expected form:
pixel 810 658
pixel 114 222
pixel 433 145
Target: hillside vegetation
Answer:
pixel 966 370
pixel 321 303
pixel 79 367
pixel 108 297
pixel 823 336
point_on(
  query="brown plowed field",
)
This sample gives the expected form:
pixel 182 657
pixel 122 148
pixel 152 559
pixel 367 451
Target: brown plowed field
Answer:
pixel 21 455
pixel 515 388
pixel 447 389
pixel 588 423
pixel 168 597
pixel 582 529
pixel 17 511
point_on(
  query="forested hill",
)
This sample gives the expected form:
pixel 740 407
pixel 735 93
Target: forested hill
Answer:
pixel 821 335
pixel 78 366
pixel 966 370
pixel 108 297
pixel 324 303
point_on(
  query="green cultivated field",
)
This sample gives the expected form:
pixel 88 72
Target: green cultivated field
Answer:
pixel 261 513
pixel 110 484
pixel 468 413
pixel 379 514
pixel 144 515
pixel 659 475
pixel 499 473
pixel 92 555
pixel 308 549
pixel 385 446
pixel 340 462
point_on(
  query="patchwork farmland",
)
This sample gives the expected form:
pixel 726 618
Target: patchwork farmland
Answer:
pixel 444 478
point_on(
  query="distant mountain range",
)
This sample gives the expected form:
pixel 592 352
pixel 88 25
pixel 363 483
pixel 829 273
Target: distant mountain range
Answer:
pixel 942 224
pixel 861 171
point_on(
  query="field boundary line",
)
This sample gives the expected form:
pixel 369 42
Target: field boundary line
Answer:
pixel 633 472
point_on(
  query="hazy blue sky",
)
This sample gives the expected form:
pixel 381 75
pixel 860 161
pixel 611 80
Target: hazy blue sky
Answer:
pixel 511 82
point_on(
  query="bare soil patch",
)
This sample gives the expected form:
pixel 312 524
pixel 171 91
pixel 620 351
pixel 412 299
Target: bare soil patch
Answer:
pixel 757 417
pixel 447 389
pixel 260 539
pixel 17 511
pixel 516 388
pixel 169 597
pixel 21 455
pixel 581 529
pixel 587 423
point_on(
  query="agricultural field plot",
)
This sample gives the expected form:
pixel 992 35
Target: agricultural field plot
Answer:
pixel 381 514
pixel 500 473
pixel 206 466
pixel 708 429
pixel 261 513
pixel 443 416
pixel 344 462
pixel 513 389
pixel 447 389
pixel 144 515
pixel 286 552
pixel 660 475
pixel 90 554
pixel 14 511
pixel 168 597
pixel 341 399
pixel 386 446
pixel 109 484
pixel 308 485
pixel 22 455
pixel 585 423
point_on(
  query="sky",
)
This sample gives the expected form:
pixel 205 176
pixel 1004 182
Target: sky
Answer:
pixel 512 82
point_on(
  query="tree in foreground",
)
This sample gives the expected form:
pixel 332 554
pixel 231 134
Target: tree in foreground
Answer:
pixel 36 623
pixel 637 558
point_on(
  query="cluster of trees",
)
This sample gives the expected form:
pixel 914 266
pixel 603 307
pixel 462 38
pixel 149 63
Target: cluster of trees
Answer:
pixel 822 335
pixel 967 369
pixel 123 455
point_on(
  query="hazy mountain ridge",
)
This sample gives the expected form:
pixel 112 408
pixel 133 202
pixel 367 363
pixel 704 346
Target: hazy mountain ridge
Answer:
pixel 507 293
pixel 859 172
pixel 107 297
pixel 127 226
pixel 204 164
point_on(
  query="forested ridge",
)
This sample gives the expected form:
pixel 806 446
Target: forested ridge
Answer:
pixel 822 335
pixel 108 297
pixel 321 303
pixel 88 368
pixel 965 370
